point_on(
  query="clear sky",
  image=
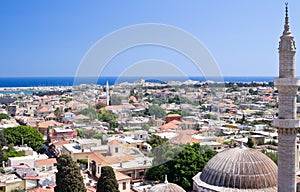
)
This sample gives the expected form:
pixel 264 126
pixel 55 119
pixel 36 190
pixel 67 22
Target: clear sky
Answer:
pixel 51 37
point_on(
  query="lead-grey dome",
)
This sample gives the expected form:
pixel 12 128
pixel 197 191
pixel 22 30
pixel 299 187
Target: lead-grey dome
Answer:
pixel 166 187
pixel 240 168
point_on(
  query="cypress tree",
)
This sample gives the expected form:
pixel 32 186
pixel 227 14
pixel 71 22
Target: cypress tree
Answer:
pixel 68 177
pixel 107 181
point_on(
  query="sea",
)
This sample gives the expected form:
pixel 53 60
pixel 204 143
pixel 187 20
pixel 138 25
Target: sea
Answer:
pixel 14 82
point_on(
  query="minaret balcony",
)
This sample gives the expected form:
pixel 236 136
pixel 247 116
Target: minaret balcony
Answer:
pixel 286 123
pixel 290 81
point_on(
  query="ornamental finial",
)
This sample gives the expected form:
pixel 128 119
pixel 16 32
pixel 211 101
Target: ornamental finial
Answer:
pixel 286 25
pixel 286 9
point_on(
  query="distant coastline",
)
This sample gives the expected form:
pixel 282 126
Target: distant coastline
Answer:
pixel 69 81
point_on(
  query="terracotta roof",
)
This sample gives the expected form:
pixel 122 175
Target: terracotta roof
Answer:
pixel 46 161
pixel 91 189
pixel 181 139
pixel 115 142
pixel 47 124
pixel 97 158
pixel 43 109
pixel 194 140
pixel 61 142
pixel 81 117
pixel 51 115
pixel 173 115
pixel 107 160
pixel 32 178
pixel 120 176
pixel 169 126
pixel 176 122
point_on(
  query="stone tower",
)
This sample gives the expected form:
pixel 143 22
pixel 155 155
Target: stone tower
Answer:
pixel 287 122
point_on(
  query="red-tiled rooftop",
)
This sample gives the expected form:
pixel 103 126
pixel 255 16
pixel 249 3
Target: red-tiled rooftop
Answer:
pixel 32 178
pixel 115 142
pixel 173 115
pixel 169 126
pixel 120 176
pixel 61 142
pixel 107 160
pixel 52 123
pixel 46 161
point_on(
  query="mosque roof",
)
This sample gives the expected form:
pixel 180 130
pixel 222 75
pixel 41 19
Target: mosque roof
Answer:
pixel 166 187
pixel 241 168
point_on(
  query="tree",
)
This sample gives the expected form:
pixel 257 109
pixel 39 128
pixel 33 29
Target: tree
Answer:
pixel 58 112
pixel 24 135
pixel 89 112
pixel 18 190
pixel 175 99
pixel 68 177
pixel 107 181
pixel 106 116
pixel 10 152
pixel 4 116
pixel 157 111
pixel 155 141
pixel 271 155
pixel 100 105
pixel 81 133
pixel 250 143
pixel 184 163
pixel 3 141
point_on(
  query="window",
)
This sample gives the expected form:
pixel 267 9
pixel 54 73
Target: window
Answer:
pixel 141 174
pixel 116 150
pixel 124 185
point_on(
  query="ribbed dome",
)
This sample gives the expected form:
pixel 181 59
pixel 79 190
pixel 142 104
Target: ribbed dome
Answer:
pixel 240 168
pixel 168 187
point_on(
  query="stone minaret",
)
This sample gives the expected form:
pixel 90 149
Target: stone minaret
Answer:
pixel 287 122
pixel 107 94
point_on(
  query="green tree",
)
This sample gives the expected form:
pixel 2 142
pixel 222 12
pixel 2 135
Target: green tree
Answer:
pixel 89 112
pixel 155 141
pixel 107 181
pixel 100 105
pixel 14 153
pixel 250 143
pixel 98 136
pixel 271 155
pixel 24 135
pixel 81 133
pixel 58 112
pixel 3 141
pixel 184 163
pixel 4 116
pixel 106 116
pixel 175 99
pixel 68 177
pixel 10 152
pixel 18 190
pixel 157 111
pixel 66 100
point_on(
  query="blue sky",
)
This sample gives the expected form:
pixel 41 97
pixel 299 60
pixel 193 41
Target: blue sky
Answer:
pixel 51 38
